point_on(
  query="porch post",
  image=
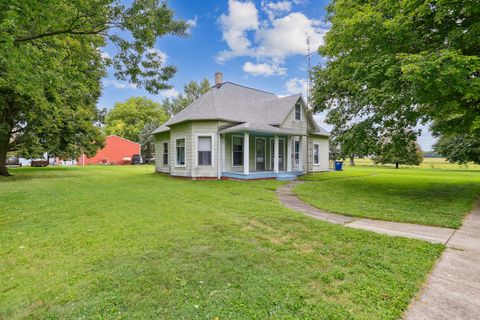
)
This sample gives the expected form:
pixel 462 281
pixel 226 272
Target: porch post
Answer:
pixel 300 153
pixel 220 155
pixel 246 153
pixel 275 155
pixel 289 153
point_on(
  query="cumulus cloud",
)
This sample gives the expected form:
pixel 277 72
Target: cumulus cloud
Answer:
pixel 263 69
pixel 192 23
pixel 241 17
pixel 118 85
pixel 169 93
pixel 163 56
pixel 274 9
pixel 296 85
pixel 270 41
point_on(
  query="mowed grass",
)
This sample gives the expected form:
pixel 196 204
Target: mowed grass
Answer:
pixel 125 243
pixel 437 197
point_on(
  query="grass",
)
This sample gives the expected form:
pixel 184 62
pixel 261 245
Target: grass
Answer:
pixel 437 197
pixel 125 243
pixel 427 163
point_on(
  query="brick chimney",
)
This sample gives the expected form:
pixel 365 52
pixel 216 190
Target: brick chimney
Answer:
pixel 218 79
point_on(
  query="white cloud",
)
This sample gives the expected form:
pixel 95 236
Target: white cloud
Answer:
pixel 270 41
pixel 296 85
pixel 241 17
pixel 169 93
pixel 263 69
pixel 192 23
pixel 288 35
pixel 274 9
pixel 163 56
pixel 118 85
pixel 105 55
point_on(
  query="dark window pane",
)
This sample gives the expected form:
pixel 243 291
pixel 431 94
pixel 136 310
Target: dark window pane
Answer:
pixel 204 158
pixel 238 158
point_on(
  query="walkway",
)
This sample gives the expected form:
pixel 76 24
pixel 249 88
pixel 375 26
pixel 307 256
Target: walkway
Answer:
pixel 452 290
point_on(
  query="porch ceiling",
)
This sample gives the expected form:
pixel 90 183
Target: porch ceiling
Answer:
pixel 259 128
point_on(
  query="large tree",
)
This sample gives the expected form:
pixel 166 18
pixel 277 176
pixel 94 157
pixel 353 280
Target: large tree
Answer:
pixel 51 66
pixel 127 119
pixel 411 154
pixel 395 64
pixel 191 91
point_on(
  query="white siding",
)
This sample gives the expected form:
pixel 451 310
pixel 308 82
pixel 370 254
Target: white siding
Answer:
pixel 160 139
pixel 323 164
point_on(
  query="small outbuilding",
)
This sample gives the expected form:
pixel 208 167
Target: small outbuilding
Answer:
pixel 117 151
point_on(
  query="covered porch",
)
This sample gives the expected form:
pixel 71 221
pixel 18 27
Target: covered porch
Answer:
pixel 257 151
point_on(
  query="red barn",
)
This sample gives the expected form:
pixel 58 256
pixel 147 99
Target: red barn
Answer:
pixel 117 150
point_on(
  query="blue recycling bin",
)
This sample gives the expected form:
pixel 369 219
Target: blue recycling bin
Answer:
pixel 338 165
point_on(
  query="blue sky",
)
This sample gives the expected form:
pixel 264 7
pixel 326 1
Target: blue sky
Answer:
pixel 260 44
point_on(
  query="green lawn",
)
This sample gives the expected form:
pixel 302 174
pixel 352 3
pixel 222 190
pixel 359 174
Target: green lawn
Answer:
pixel 125 243
pixel 436 197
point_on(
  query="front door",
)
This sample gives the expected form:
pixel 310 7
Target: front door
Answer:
pixel 260 154
pixel 281 152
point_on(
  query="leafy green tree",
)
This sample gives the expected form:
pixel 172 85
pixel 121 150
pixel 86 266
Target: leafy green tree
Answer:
pixel 191 92
pixel 127 119
pixel 390 152
pixel 459 148
pixel 147 141
pixel 395 64
pixel 51 66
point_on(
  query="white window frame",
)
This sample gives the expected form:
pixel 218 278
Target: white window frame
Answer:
pixel 163 153
pixel 212 141
pixel 184 154
pixel 295 111
pixel 243 149
pixel 318 154
pixel 295 163
pixel 264 153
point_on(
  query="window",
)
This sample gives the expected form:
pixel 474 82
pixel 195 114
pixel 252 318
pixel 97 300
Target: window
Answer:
pixel 298 112
pixel 297 152
pixel 316 153
pixel 204 147
pixel 165 153
pixel 180 144
pixel 237 150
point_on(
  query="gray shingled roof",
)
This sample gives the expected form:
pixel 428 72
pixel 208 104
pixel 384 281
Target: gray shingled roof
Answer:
pixel 236 103
pixel 257 127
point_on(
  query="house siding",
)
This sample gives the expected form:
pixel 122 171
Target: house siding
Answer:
pixel 323 163
pixel 160 139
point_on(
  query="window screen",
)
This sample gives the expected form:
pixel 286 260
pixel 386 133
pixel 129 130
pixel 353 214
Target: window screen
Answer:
pixel 204 151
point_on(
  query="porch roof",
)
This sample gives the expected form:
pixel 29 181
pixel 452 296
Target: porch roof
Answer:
pixel 260 128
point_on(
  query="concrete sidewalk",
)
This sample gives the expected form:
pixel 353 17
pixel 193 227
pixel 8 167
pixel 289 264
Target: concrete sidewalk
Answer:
pixel 452 290
pixel 408 230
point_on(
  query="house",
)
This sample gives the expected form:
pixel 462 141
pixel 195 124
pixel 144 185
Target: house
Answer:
pixel 233 131
pixel 117 151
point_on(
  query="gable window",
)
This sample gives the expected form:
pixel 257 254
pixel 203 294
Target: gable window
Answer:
pixel 298 112
pixel 237 151
pixel 180 145
pixel 165 153
pixel 316 154
pixel 204 147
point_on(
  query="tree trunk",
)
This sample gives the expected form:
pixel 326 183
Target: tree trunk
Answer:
pixel 352 161
pixel 396 165
pixel 4 145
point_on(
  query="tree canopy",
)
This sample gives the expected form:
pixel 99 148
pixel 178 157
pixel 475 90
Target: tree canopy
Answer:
pixel 127 119
pixel 51 67
pixel 191 92
pixel 391 65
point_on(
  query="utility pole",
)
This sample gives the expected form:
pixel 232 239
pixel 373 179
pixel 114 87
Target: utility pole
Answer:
pixel 309 76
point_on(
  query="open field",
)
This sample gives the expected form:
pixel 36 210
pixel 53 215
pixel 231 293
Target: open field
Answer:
pixel 427 163
pixel 123 242
pixel 438 197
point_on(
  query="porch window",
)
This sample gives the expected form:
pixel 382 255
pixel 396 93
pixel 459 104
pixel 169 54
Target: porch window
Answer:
pixel 298 112
pixel 297 152
pixel 316 154
pixel 237 150
pixel 165 153
pixel 180 145
pixel 204 147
